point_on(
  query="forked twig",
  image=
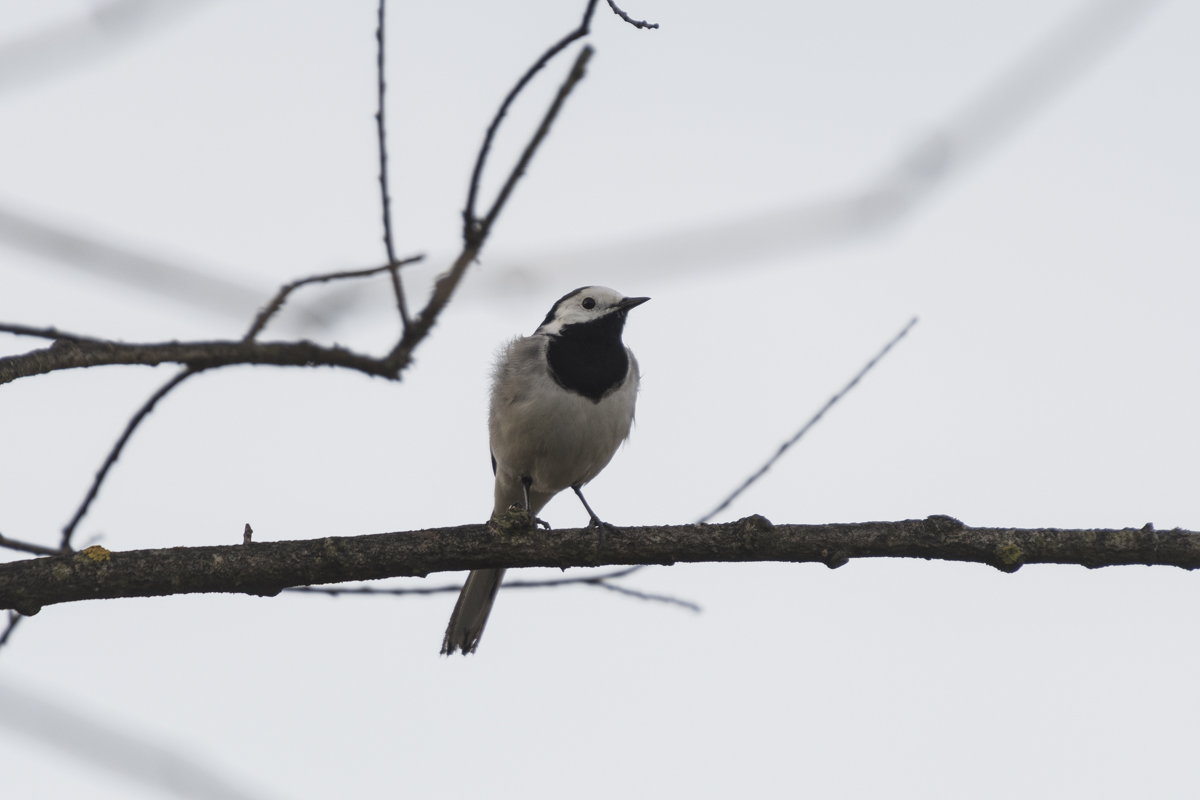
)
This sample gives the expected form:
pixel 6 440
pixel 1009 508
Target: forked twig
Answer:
pixel 276 303
pixel 470 221
pixel 28 547
pixel 445 286
pixel 259 323
pixel 573 77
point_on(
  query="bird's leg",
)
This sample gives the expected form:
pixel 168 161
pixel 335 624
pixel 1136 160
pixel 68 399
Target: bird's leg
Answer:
pixel 526 482
pixel 594 522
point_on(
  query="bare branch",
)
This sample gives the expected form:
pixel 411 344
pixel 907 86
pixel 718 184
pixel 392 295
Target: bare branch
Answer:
pixel 14 619
pixel 601 581
pixel 397 283
pixel 268 568
pixel 783 448
pixel 655 598
pixel 381 130
pixel 470 221
pixel 962 139
pixel 115 453
pixel 271 308
pixel 573 77
pixel 338 591
pixel 81 353
pixel 447 283
pixel 74 353
pixel 43 333
pixel 398 290
pixel 29 547
pixel 635 23
pixel 69 351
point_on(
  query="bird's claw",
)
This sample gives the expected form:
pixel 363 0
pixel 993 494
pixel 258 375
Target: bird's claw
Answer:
pixel 520 511
pixel 514 519
pixel 600 527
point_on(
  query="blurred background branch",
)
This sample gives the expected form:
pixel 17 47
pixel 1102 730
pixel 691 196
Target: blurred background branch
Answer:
pixel 81 41
pixel 152 764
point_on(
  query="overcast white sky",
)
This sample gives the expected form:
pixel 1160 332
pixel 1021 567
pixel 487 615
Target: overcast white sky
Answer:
pixel 1053 380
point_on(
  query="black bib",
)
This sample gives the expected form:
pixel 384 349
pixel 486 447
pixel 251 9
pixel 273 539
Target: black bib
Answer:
pixel 588 358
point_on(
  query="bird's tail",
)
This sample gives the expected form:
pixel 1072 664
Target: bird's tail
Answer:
pixel 471 611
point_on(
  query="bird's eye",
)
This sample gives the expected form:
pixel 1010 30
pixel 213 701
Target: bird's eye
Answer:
pixel 588 303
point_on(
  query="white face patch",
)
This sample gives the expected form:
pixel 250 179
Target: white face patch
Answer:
pixel 586 304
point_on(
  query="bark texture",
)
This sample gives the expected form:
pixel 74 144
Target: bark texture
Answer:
pixel 267 568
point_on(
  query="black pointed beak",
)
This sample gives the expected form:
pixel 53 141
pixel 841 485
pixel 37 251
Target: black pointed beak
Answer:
pixel 630 302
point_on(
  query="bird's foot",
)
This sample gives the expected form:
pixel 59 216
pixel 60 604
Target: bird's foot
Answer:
pixel 600 527
pixel 516 519
pixel 597 523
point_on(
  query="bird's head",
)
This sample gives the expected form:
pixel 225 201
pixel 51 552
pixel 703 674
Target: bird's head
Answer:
pixel 588 304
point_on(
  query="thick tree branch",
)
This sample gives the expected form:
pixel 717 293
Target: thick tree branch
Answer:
pixel 268 568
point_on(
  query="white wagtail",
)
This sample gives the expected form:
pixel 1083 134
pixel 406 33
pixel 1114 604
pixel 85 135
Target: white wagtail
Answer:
pixel 562 403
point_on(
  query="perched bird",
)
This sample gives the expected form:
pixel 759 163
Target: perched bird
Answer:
pixel 562 403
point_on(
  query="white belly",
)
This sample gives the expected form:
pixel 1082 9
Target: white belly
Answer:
pixel 556 437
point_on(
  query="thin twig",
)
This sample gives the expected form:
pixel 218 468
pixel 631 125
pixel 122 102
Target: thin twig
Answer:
pixel 445 286
pixel 783 448
pixel 657 598
pixel 575 76
pixel 13 620
pixel 271 308
pixel 593 580
pixel 379 125
pixel 115 453
pixel 43 333
pixel 398 290
pixel 334 591
pixel 470 221
pixel 635 23
pixel 393 268
pixel 29 547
